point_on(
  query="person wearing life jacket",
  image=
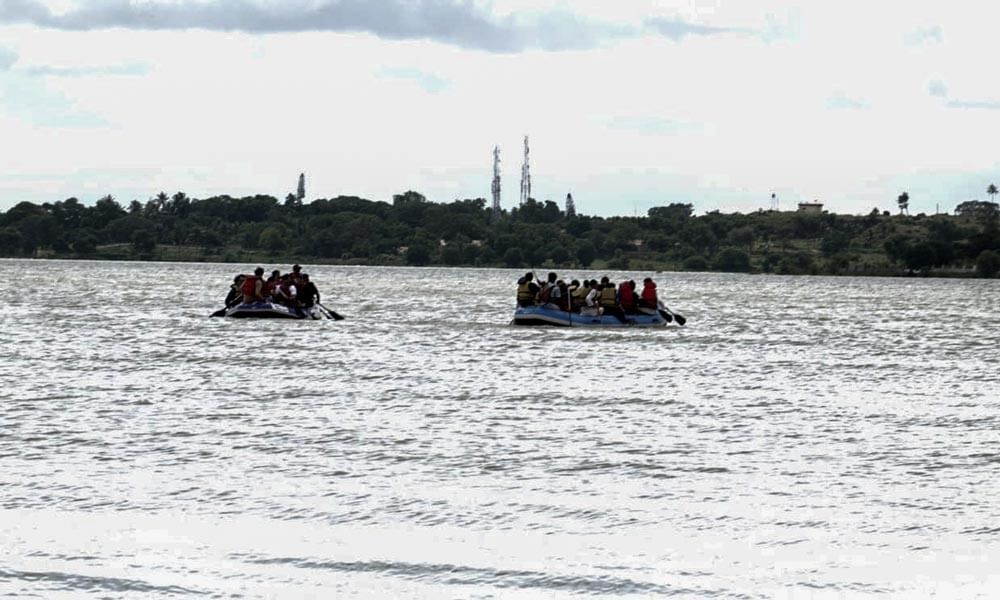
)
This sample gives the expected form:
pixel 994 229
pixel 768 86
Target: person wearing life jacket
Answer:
pixel 577 294
pixel 252 286
pixel 608 300
pixel 235 294
pixel 626 297
pixel 527 290
pixel 270 284
pixel 590 307
pixel 288 291
pixel 648 298
pixel 308 293
pixel 564 298
pixel 551 293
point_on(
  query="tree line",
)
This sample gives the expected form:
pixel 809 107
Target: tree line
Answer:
pixel 410 230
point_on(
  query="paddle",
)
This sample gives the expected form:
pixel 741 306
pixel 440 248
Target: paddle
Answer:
pixel 678 317
pixel 333 315
pixel 222 311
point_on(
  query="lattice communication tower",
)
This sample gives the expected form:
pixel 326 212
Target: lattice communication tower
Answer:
pixel 496 181
pixel 525 175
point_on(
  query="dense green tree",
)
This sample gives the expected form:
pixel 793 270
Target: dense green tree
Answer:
pixel 988 263
pixel 535 234
pixel 418 253
pixel 732 260
pixel 513 257
pixel 143 240
pixel 11 241
pixel 84 242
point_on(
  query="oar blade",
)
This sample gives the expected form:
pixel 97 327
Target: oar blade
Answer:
pixel 666 316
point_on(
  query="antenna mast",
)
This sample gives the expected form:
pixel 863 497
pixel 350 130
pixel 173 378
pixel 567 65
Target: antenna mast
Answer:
pixel 525 175
pixel 496 181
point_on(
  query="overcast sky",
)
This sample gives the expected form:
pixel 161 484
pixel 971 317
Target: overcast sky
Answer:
pixel 628 104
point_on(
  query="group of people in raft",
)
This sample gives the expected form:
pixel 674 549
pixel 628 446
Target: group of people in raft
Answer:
pixel 590 298
pixel 291 289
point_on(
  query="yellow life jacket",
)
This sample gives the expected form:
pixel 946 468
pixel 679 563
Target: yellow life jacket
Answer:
pixel 524 293
pixel 607 298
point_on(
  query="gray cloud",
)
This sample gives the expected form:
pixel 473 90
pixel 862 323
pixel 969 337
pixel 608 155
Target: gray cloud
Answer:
pixel 925 35
pixel 121 70
pixel 7 58
pixel 841 101
pixel 456 22
pixel 676 30
pixel 428 81
pixel 937 88
pixel 652 125
pixel 974 104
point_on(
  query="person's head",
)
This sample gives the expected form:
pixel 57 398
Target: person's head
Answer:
pixel 593 284
pixel 575 283
pixel 237 279
pixel 276 273
pixel 631 283
pixel 552 277
pixel 259 271
pixel 647 281
pixel 296 269
pixel 529 276
pixel 305 277
pixel 605 280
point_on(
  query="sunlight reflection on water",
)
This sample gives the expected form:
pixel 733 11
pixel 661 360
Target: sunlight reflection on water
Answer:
pixel 800 437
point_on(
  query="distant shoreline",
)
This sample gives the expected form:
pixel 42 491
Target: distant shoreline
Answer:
pixel 411 231
pixel 182 255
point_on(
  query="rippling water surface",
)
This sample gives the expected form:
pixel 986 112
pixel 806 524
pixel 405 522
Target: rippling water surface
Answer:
pixel 801 437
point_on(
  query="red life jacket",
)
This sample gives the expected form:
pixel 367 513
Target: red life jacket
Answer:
pixel 649 294
pixel 249 287
pixel 626 295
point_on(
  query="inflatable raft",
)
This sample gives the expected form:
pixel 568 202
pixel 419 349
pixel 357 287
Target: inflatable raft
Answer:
pixel 271 310
pixel 540 315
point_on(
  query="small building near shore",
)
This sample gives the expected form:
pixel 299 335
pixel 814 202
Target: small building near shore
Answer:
pixel 811 207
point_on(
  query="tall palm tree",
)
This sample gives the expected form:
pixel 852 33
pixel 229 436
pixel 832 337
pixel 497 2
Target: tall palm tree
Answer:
pixel 904 203
pixel 992 190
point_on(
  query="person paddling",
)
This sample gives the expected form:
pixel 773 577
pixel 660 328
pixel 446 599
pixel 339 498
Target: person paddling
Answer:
pixel 648 297
pixel 527 290
pixel 235 293
pixel 308 293
pixel 252 286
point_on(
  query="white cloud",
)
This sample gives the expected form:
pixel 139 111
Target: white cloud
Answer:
pixel 720 120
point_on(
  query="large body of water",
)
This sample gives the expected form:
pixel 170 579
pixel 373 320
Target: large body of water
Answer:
pixel 801 437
